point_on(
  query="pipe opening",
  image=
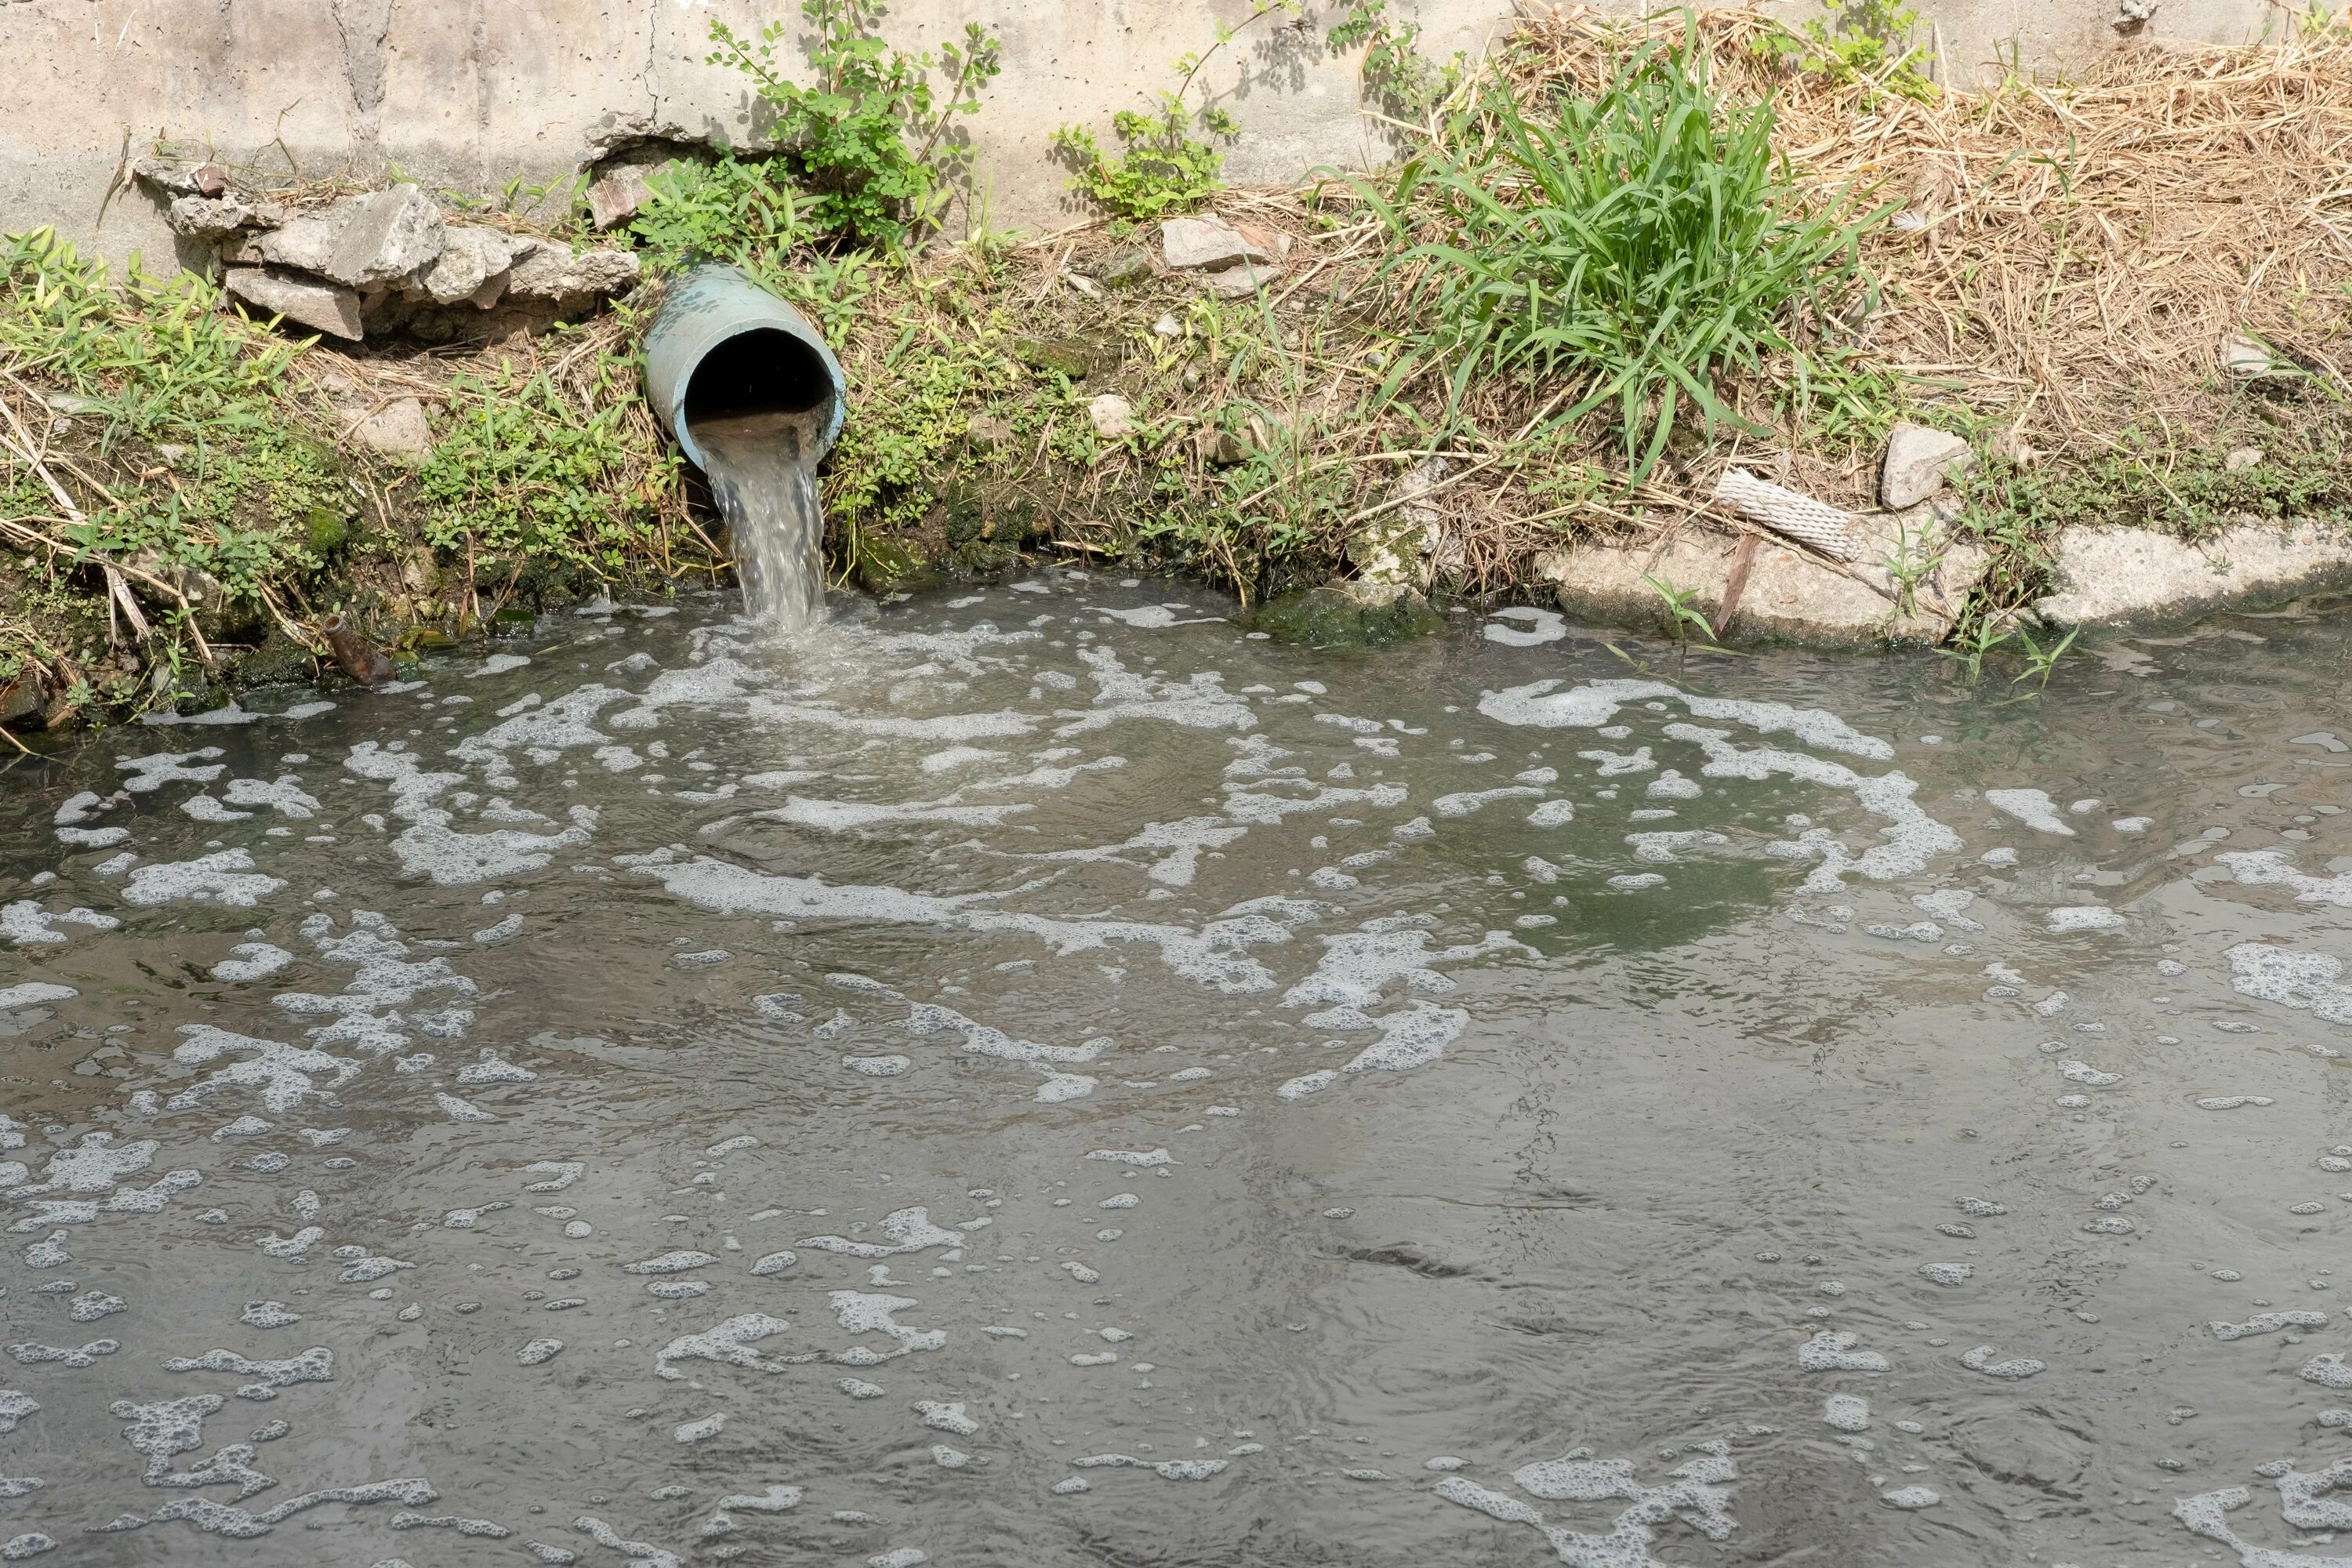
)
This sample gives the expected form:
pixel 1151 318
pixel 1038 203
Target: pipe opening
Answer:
pixel 765 370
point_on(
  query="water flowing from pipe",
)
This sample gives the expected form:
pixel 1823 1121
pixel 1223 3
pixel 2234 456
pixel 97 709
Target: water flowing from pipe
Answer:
pixel 761 468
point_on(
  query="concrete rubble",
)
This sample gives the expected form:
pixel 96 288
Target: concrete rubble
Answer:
pixel 2114 575
pixel 1789 592
pixel 1918 462
pixel 1231 261
pixel 386 259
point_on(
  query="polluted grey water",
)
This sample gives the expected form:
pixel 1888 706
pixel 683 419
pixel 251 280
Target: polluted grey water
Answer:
pixel 1042 1077
pixel 765 482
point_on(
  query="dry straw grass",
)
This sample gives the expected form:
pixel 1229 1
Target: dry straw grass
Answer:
pixel 2070 254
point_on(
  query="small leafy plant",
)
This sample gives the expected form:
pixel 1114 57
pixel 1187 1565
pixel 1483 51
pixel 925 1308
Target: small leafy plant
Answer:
pixel 1682 614
pixel 1161 166
pixel 864 141
pixel 1858 41
pixel 1394 72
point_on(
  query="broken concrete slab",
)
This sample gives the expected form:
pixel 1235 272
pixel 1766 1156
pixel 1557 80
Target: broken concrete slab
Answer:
pixel 179 176
pixel 215 218
pixel 1919 460
pixel 1789 594
pixel 2114 575
pixel 306 242
pixel 546 269
pixel 387 235
pixel 470 258
pixel 323 307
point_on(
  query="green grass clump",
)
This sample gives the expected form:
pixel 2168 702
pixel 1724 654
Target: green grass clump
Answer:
pixel 1635 246
pixel 190 408
pixel 520 467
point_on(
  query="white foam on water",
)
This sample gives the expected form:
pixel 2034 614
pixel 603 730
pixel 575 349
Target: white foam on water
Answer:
pixel 2307 982
pixel 251 961
pixel 843 815
pixel 1464 803
pixel 34 993
pixel 2032 807
pixel 1411 1039
pixel 1214 956
pixel 1358 967
pixel 226 876
pixel 2084 917
pixel 1533 627
pixel 26 924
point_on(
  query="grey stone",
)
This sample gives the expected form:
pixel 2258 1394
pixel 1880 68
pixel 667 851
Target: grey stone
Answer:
pixel 1395 547
pixel 1111 415
pixel 202 589
pixel 469 259
pixel 614 199
pixel 213 218
pixel 2123 574
pixel 545 270
pixel 1919 461
pixel 2242 356
pixel 1208 242
pixel 987 433
pixel 2242 459
pixel 398 430
pixel 323 307
pixel 1239 282
pixel 388 235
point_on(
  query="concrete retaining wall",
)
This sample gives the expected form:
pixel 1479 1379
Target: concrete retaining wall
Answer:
pixel 469 94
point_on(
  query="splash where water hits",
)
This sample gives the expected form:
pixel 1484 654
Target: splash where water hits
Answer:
pixel 1043 1076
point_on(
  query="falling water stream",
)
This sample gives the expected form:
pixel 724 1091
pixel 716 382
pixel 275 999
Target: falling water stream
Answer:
pixel 764 481
pixel 1043 1076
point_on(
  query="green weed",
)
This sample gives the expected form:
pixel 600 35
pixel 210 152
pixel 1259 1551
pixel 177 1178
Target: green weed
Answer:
pixel 1634 247
pixel 520 467
pixel 866 142
pixel 1162 165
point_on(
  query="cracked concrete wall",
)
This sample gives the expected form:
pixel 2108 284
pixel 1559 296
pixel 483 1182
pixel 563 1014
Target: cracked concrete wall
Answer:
pixel 469 94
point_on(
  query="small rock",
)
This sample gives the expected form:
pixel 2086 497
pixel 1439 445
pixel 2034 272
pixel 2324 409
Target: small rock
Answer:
pixel 1167 327
pixel 1208 242
pixel 544 269
pixel 1223 448
pixel 200 586
pixel 614 199
pixel 473 262
pixel 398 430
pixel 1127 267
pixel 987 432
pixel 322 307
pixel 389 234
pixel 2242 459
pixel 2242 356
pixel 1062 357
pixel 22 698
pixel 1083 284
pixel 1918 461
pixel 1111 415
pixel 419 572
pixel 1239 282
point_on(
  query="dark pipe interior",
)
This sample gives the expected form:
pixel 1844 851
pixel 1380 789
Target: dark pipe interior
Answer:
pixel 764 371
